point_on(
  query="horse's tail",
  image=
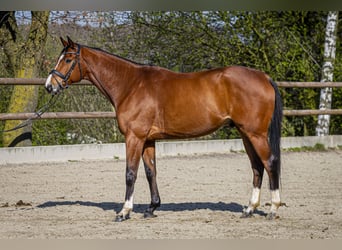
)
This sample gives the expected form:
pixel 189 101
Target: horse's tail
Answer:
pixel 275 129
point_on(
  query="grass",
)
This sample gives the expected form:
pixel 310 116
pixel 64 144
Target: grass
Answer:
pixel 318 147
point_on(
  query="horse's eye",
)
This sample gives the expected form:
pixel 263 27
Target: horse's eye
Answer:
pixel 67 60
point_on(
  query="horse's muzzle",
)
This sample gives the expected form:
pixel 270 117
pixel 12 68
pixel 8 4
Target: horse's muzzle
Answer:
pixel 50 88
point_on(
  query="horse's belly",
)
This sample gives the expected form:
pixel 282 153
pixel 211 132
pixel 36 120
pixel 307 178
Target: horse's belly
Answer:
pixel 187 128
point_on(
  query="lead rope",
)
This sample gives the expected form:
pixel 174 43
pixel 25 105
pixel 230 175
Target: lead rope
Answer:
pixel 37 114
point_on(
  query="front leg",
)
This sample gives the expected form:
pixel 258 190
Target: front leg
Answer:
pixel 134 147
pixel 254 202
pixel 149 158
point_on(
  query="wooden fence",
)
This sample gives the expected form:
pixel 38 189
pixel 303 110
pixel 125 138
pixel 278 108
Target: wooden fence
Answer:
pixel 85 115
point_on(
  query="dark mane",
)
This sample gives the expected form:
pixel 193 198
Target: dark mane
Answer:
pixel 112 54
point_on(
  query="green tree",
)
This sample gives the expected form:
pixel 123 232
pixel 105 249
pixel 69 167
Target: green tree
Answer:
pixel 323 123
pixel 284 44
pixel 287 45
pixel 24 57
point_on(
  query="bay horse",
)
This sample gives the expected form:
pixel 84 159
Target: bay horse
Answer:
pixel 154 103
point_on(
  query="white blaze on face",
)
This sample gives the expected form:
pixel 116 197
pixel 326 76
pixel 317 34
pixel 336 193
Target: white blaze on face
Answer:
pixel 59 60
pixel 48 80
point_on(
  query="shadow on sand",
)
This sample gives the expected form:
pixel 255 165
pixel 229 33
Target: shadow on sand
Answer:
pixel 140 208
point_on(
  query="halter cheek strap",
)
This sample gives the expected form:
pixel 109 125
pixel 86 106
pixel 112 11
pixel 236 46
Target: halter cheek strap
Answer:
pixel 66 77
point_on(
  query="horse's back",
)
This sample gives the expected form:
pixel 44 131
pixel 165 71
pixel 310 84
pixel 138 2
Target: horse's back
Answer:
pixel 194 104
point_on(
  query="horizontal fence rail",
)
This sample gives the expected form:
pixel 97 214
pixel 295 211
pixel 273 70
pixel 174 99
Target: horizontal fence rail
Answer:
pixel 96 115
pixel 41 81
pixel 108 115
pixel 309 84
pixel 33 81
pixel 57 115
pixel 305 112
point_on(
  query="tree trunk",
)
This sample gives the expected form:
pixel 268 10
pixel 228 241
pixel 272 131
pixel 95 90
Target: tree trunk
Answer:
pixel 322 128
pixel 27 60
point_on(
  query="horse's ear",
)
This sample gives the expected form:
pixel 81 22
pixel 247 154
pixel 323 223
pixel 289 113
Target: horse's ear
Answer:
pixel 71 43
pixel 65 43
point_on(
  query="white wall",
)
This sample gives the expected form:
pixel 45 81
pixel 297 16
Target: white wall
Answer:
pixel 169 148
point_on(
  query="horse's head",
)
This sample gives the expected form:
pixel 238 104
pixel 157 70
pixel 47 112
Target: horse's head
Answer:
pixel 67 70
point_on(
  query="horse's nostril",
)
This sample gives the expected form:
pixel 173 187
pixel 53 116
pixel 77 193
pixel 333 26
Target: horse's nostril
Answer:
pixel 49 88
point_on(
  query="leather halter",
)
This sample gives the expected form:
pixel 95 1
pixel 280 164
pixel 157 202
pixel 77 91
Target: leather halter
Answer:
pixel 66 77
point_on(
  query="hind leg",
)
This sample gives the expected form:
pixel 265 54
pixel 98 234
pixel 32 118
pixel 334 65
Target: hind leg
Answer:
pixel 274 177
pixel 149 159
pixel 258 172
pixel 259 152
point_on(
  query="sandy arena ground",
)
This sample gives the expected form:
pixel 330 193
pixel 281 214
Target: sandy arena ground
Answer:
pixel 202 198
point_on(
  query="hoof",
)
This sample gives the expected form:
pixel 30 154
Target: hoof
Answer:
pixel 272 216
pixel 121 218
pixel 246 215
pixel 148 214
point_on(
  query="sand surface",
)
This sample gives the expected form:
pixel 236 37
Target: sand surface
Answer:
pixel 202 198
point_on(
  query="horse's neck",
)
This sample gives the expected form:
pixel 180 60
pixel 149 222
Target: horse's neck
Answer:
pixel 113 76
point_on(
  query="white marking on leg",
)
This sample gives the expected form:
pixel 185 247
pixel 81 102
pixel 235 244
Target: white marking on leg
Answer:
pixel 127 208
pixel 129 203
pixel 254 201
pixel 275 200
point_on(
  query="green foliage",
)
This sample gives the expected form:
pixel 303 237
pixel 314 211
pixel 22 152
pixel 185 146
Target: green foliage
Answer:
pixel 76 131
pixel 318 147
pixel 287 45
pixel 336 121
